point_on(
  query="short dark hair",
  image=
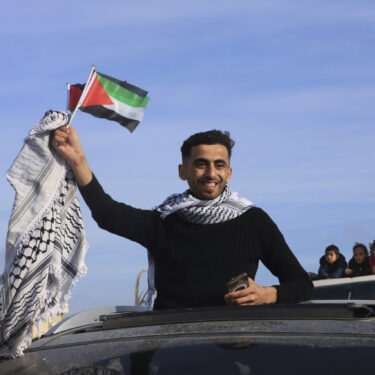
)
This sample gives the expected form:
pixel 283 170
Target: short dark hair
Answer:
pixel 210 137
pixel 333 248
pixel 358 245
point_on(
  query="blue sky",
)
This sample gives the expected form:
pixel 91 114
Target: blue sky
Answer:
pixel 293 81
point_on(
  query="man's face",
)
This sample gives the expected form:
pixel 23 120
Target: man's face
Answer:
pixel 331 256
pixel 359 255
pixel 206 170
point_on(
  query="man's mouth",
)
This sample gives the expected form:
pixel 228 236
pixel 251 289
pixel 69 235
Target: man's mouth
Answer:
pixel 209 185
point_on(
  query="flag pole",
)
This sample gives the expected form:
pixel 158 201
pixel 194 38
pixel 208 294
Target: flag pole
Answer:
pixel 68 96
pixel 81 99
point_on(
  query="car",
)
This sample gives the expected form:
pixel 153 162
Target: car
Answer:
pixel 315 338
pixel 360 289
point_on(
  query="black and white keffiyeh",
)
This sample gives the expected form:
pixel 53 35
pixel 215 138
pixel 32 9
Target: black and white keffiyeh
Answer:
pixel 227 206
pixel 46 243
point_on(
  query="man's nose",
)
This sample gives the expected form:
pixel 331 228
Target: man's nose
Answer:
pixel 210 171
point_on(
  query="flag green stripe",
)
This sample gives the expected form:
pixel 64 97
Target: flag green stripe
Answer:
pixel 125 110
pixel 122 94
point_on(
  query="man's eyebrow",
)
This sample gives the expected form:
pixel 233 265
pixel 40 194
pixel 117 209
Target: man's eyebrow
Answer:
pixel 221 161
pixel 203 160
pixel 200 160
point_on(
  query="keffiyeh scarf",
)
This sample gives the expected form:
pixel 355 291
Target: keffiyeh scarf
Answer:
pixel 46 243
pixel 227 206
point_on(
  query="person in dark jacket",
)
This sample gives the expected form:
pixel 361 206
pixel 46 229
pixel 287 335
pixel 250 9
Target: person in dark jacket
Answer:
pixel 332 264
pixel 371 258
pixel 359 264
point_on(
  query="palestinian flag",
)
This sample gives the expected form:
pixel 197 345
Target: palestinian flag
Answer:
pixel 109 98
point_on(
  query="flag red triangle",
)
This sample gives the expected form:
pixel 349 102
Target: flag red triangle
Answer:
pixel 96 95
pixel 75 93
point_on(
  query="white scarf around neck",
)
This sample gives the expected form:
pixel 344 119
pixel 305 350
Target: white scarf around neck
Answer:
pixel 226 206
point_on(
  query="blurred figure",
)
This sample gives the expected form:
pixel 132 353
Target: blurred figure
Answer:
pixel 359 264
pixel 372 256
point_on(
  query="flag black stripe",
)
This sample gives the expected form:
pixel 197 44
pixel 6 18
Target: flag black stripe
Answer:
pixel 102 112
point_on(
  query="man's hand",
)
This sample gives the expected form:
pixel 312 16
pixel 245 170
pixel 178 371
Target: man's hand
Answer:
pixel 253 295
pixel 68 145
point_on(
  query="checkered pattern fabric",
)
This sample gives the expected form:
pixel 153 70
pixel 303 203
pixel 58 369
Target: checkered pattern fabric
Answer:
pixel 45 244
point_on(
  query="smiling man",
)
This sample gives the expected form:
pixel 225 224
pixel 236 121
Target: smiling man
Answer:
pixel 206 170
pixel 199 239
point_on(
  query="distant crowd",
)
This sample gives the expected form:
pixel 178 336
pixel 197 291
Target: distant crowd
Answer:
pixel 333 264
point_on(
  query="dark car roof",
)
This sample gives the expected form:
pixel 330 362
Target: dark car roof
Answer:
pixel 291 339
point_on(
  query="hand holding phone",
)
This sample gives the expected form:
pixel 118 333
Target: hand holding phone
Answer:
pixel 238 283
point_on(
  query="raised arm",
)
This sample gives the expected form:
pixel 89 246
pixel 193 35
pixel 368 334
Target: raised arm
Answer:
pixel 66 142
pixel 116 217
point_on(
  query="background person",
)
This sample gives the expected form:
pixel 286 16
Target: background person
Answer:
pixel 359 264
pixel 332 264
pixel 372 256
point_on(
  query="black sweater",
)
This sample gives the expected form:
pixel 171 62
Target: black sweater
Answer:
pixel 194 262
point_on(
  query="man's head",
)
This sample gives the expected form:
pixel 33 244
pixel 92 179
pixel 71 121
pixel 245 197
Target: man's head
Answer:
pixel 206 163
pixel 332 253
pixel 210 137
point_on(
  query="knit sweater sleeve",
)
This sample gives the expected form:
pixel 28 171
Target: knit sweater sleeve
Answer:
pixel 295 284
pixel 118 218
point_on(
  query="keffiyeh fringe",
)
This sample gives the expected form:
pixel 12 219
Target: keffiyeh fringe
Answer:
pixel 45 243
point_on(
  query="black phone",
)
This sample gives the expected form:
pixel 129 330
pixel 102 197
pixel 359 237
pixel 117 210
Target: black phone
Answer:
pixel 238 283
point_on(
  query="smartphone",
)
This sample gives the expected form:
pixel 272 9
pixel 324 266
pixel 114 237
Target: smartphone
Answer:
pixel 238 283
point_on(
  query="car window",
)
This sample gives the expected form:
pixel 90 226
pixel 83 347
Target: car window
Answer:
pixel 232 358
pixel 363 291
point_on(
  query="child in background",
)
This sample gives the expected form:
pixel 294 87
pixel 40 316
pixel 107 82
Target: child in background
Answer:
pixel 332 264
pixel 372 256
pixel 359 264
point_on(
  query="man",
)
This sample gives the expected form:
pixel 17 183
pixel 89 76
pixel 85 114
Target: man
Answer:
pixel 197 241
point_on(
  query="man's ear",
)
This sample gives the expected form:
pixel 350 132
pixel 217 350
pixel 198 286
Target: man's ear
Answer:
pixel 229 174
pixel 181 172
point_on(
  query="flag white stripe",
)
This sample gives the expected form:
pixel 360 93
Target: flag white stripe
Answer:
pixel 134 113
